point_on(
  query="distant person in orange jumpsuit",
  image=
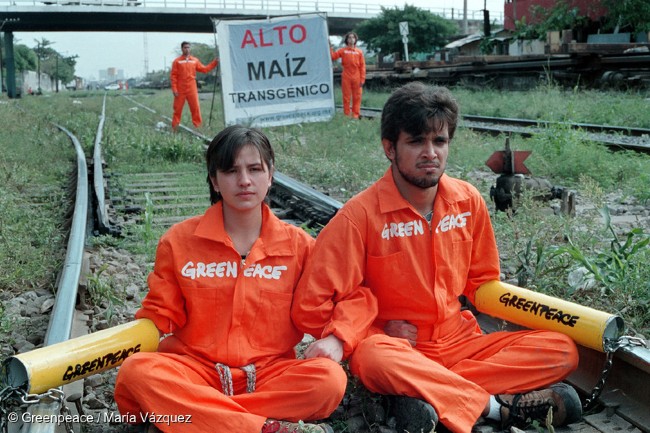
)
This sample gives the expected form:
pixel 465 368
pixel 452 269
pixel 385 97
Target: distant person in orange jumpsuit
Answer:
pixel 354 74
pixel 412 244
pixel 221 292
pixel 183 81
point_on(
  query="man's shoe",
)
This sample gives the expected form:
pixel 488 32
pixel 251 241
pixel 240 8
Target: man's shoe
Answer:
pixel 520 410
pixel 412 415
pixel 273 426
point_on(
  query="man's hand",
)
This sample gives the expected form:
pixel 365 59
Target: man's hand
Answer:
pixel 329 347
pixel 402 329
pixel 175 94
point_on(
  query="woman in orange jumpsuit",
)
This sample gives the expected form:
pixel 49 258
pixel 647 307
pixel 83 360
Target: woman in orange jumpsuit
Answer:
pixel 183 82
pixel 221 292
pixel 413 243
pixel 354 74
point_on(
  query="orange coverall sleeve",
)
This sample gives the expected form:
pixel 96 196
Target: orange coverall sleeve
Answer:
pixel 164 303
pixel 173 77
pixel 335 54
pixel 330 297
pixel 200 67
pixel 362 69
pixel 484 265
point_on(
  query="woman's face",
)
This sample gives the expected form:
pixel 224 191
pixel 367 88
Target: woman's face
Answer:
pixel 245 185
pixel 351 40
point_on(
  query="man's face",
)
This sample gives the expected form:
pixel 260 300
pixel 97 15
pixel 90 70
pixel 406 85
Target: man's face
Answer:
pixel 419 160
pixel 186 49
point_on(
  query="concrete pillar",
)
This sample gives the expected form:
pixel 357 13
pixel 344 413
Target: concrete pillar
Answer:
pixel 10 65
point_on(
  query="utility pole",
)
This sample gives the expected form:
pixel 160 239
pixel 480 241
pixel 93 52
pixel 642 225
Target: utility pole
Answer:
pixel 465 29
pixel 146 55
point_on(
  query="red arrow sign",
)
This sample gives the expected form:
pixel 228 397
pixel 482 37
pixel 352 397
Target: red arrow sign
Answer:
pixel 499 163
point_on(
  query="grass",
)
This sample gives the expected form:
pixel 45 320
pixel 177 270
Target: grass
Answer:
pixel 35 173
pixel 581 260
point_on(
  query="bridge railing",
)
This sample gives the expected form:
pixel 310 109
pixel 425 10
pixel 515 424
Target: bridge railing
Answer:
pixel 270 6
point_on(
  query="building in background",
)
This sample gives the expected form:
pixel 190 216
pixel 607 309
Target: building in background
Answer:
pixel 516 10
pixel 111 74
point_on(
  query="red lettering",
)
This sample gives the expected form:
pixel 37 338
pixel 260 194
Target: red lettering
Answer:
pixel 280 29
pixel 303 33
pixel 248 39
pixel 262 43
pixel 297 35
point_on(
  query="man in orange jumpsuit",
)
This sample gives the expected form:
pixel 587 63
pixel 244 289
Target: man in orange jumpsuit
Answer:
pixel 221 290
pixel 384 282
pixel 183 81
pixel 354 74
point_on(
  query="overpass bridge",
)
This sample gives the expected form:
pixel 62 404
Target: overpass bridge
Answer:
pixel 186 16
pixel 176 16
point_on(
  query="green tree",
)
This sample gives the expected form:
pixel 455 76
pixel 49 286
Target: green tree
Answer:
pixel 563 16
pixel 628 15
pixel 62 68
pixel 427 31
pixel 52 63
pixel 24 58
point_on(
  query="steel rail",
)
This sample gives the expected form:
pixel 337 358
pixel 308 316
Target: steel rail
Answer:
pixel 616 137
pixel 103 222
pixel 60 324
pixel 588 127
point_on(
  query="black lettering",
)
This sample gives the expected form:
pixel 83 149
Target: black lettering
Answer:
pixel 573 321
pixel 297 67
pixel 275 69
pixel 116 356
pixel 520 303
pixel 256 74
pixel 68 373
pixel 535 308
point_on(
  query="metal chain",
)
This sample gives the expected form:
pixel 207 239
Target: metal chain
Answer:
pixel 610 347
pixel 9 397
pixel 66 414
pixel 12 396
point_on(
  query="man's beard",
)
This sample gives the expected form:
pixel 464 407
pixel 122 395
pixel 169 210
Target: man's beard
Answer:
pixel 420 182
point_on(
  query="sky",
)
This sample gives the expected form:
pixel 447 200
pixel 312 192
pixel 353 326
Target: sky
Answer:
pixel 126 50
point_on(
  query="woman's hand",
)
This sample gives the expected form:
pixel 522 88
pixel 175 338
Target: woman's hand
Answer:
pixel 402 329
pixel 329 347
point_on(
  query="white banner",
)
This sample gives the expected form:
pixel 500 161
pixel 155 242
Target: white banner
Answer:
pixel 276 71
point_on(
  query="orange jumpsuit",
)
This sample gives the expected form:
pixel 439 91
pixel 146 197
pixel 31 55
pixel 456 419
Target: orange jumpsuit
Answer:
pixel 379 243
pixel 183 81
pixel 224 313
pixel 352 79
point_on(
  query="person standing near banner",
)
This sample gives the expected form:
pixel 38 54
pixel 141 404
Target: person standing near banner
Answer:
pixel 221 292
pixel 183 81
pixel 354 74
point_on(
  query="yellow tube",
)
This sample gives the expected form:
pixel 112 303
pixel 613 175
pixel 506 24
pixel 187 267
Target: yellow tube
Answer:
pixel 587 326
pixel 59 364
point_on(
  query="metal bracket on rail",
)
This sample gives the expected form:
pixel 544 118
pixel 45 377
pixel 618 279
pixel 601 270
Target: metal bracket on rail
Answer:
pixel 611 346
pixel 12 398
pixel 515 177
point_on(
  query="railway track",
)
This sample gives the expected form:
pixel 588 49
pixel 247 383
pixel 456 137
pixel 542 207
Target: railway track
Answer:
pixel 615 137
pixel 619 380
